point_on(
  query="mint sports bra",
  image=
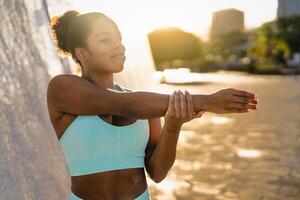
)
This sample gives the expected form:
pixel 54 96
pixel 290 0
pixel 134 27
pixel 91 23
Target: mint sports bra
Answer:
pixel 92 145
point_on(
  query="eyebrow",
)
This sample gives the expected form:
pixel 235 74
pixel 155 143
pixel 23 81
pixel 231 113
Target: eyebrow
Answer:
pixel 105 33
pixel 102 33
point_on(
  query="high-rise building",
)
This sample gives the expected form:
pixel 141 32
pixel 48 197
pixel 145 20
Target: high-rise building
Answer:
pixel 225 21
pixel 288 7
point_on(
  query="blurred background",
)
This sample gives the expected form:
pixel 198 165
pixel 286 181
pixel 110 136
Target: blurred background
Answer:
pixel 201 46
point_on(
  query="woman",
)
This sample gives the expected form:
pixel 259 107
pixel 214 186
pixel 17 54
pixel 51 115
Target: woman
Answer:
pixel 109 133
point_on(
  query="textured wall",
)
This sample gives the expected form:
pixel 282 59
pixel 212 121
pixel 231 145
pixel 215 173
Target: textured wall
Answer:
pixel 32 165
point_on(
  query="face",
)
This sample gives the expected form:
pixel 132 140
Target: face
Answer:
pixel 106 53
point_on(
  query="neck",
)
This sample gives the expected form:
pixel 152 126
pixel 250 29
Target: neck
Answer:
pixel 101 79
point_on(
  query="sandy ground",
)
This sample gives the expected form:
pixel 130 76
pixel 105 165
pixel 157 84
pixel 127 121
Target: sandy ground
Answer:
pixel 247 156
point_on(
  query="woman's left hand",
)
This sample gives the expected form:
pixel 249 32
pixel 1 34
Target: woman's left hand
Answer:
pixel 180 110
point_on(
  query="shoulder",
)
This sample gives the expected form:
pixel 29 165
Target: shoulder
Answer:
pixel 61 80
pixel 63 77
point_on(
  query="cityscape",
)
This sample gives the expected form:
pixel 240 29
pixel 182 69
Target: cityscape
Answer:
pixel 267 49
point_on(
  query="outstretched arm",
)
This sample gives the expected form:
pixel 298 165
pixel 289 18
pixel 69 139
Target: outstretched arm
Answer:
pixel 72 94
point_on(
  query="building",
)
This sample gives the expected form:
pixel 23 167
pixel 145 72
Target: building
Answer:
pixel 225 21
pixel 288 7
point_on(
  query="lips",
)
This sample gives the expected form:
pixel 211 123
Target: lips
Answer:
pixel 119 54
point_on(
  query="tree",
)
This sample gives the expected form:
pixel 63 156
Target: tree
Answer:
pixel 288 29
pixel 226 44
pixel 269 46
pixel 170 44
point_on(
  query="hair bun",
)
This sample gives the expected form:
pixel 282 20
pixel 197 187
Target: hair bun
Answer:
pixel 60 26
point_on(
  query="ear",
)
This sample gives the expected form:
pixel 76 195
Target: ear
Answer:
pixel 79 52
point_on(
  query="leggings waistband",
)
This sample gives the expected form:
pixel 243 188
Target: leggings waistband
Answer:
pixel 144 196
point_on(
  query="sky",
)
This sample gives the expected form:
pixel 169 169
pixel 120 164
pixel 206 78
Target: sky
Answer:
pixel 136 18
pixel 190 15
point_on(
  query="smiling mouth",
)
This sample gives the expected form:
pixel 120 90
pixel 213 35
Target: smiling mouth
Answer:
pixel 117 55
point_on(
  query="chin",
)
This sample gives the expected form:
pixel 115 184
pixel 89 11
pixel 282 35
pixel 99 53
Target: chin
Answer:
pixel 119 69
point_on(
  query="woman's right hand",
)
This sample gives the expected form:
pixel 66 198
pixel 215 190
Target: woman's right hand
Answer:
pixel 230 100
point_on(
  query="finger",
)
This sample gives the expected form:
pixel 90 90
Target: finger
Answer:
pixel 239 110
pixel 238 106
pixel 240 99
pixel 253 101
pixel 177 104
pixel 183 109
pixel 198 114
pixel 190 107
pixel 243 93
pixel 243 105
pixel 253 107
pixel 171 108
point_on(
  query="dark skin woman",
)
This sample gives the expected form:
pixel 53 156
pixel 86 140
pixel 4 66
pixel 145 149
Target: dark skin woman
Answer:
pixel 95 43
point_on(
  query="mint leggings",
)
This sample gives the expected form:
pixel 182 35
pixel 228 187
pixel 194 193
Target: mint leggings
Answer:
pixel 144 196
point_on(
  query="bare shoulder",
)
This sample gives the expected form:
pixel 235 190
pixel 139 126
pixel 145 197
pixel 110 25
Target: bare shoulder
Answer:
pixel 61 78
pixel 58 81
pixel 55 87
pixel 57 84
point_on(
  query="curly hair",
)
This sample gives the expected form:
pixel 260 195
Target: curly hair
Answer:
pixel 71 30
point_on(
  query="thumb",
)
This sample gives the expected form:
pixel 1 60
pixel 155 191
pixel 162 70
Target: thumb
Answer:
pixel 199 114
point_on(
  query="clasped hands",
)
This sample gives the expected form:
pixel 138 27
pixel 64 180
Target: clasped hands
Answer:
pixel 228 100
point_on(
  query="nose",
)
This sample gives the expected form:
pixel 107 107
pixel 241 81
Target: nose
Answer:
pixel 118 44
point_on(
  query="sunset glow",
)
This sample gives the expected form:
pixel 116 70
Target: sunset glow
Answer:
pixel 136 19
